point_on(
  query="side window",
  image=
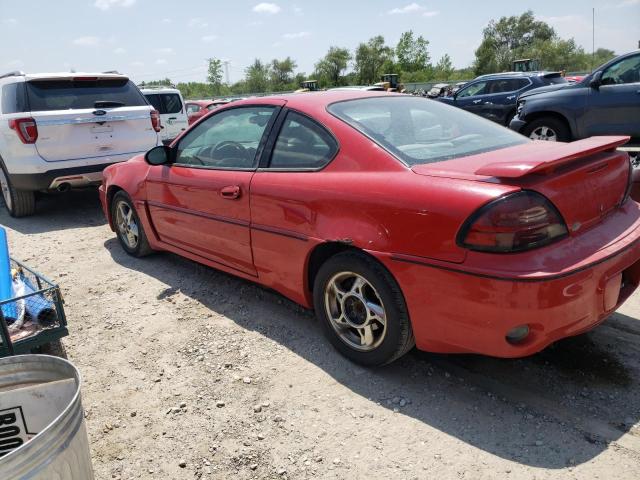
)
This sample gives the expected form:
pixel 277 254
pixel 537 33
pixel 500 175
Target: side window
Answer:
pixel 302 143
pixel 13 98
pixel 172 103
pixel 192 108
pixel 229 139
pixel 155 101
pixel 625 71
pixel 471 90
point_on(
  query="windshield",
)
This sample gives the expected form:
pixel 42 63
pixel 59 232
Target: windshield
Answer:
pixel 418 130
pixel 47 95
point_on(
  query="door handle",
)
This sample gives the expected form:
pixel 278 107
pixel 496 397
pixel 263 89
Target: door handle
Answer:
pixel 477 101
pixel 232 192
pixel 173 118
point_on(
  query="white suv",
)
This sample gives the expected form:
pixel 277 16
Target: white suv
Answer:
pixel 60 130
pixel 173 114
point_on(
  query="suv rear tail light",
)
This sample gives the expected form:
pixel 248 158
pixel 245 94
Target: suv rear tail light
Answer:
pixel 155 120
pixel 26 129
pixel 513 223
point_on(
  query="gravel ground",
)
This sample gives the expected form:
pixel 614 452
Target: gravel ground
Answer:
pixel 192 373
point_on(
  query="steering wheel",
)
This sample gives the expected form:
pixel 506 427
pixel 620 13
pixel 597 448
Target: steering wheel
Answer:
pixel 232 146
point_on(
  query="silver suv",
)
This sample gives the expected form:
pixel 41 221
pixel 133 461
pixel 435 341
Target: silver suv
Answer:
pixel 60 130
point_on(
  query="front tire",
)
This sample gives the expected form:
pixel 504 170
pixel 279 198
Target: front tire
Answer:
pixel 362 309
pixel 130 232
pixel 548 129
pixel 19 203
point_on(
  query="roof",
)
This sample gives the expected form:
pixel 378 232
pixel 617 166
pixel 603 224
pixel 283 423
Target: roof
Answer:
pixel 159 89
pixel 67 75
pixel 319 99
pixel 515 74
pixel 206 102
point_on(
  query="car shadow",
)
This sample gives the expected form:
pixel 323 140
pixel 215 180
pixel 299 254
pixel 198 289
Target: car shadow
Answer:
pixel 58 211
pixel 561 407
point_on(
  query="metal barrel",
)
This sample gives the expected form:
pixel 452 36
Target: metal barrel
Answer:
pixel 60 450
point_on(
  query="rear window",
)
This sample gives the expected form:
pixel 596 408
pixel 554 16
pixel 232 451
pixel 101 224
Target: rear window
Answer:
pixel 13 98
pixel 165 102
pixel 47 95
pixel 418 130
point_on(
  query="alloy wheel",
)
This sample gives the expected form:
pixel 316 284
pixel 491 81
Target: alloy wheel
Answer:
pixel 126 224
pixel 544 133
pixel 355 311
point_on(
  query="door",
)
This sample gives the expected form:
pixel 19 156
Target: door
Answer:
pixel 614 107
pixel 500 102
pixel 172 113
pixel 472 97
pixel 200 202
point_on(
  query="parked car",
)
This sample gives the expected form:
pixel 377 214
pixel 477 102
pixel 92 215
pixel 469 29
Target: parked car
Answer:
pixel 196 109
pixel 397 218
pixel 457 87
pixel 495 96
pixel 59 130
pixel 173 114
pixel 438 90
pixel 366 88
pixel 606 102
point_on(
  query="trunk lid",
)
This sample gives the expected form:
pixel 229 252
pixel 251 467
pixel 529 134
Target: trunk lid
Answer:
pixel 89 117
pixel 586 180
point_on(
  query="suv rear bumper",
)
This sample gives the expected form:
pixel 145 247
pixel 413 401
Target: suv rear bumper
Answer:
pixel 52 179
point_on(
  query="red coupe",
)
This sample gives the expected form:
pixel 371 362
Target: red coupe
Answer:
pixel 196 109
pixel 401 220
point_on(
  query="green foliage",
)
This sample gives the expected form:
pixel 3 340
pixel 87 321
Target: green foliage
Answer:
pixel 214 75
pixel 412 53
pixel 444 68
pixel 370 58
pixel 330 69
pixel 257 77
pixel 281 73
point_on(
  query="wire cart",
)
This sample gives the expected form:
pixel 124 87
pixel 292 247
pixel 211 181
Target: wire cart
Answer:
pixel 34 318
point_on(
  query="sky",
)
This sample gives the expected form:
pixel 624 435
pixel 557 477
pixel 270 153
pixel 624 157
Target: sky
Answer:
pixel 152 39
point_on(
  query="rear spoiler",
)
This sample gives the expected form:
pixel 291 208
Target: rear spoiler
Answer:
pixel 554 155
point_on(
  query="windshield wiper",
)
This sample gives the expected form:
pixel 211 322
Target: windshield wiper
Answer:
pixel 107 104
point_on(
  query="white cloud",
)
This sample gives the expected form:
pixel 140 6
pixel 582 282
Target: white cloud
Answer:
pixel 9 21
pixel 119 51
pixel 628 3
pixel 161 61
pixel 293 36
pixel 255 23
pixel 268 8
pixel 431 13
pixel 197 23
pixel 88 41
pixel 166 20
pixel 209 38
pixel 411 8
pixel 297 11
pixel 165 51
pixel 105 5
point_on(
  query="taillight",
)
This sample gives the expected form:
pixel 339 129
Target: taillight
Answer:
pixel 155 120
pixel 513 223
pixel 26 129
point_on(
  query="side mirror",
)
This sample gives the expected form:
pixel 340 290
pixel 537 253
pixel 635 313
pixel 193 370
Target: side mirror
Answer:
pixel 596 80
pixel 160 155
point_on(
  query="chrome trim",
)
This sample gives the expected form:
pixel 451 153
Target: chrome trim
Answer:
pixel 95 119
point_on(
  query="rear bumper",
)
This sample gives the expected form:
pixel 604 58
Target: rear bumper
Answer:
pixel 461 310
pixel 52 179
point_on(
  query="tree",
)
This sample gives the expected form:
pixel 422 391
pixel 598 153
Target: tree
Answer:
pixel 412 53
pixel 370 58
pixel 257 77
pixel 508 38
pixel 444 68
pixel 332 66
pixel 214 75
pixel 282 73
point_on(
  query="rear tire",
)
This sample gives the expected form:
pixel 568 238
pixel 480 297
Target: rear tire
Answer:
pixel 19 203
pixel 362 309
pixel 130 232
pixel 548 129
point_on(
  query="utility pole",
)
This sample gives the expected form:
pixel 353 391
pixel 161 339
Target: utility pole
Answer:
pixel 226 71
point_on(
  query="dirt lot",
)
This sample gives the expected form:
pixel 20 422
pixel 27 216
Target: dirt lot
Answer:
pixel 189 373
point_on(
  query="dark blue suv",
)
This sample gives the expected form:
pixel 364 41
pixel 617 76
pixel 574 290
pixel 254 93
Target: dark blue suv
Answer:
pixel 495 96
pixel 605 102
